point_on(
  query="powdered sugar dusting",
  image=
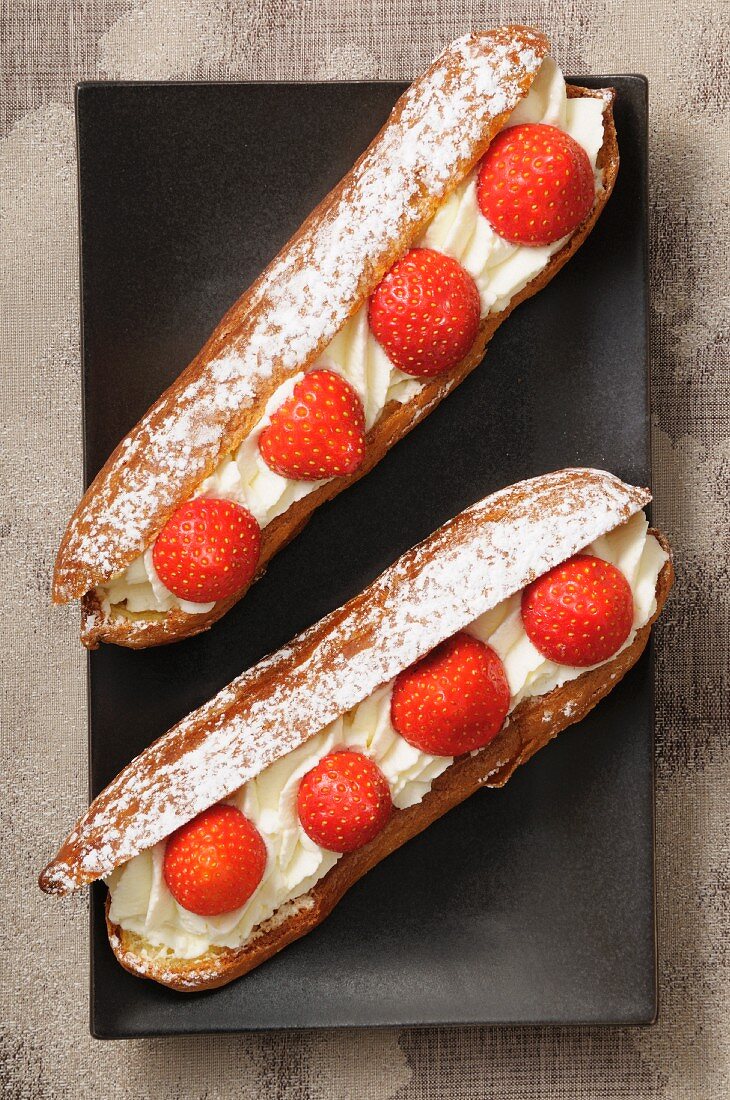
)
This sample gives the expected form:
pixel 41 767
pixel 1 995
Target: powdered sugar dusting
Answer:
pixel 300 302
pixel 490 551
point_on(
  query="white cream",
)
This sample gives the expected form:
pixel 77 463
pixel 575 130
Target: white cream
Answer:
pixel 500 269
pixel 142 590
pixel 142 903
pixel 459 229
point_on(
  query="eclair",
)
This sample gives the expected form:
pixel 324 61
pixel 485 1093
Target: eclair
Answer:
pixel 486 178
pixel 239 830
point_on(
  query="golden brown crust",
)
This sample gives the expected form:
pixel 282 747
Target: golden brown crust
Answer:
pixel 395 422
pixel 450 103
pixel 533 724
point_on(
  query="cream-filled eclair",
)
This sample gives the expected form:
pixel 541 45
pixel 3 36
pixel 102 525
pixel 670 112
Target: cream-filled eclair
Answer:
pixel 240 829
pixel 488 175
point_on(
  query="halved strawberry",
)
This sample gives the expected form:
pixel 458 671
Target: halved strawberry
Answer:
pixel 535 184
pixel 425 312
pixel 317 432
pixel 214 863
pixel 453 700
pixel 344 801
pixel 207 550
pixel 580 612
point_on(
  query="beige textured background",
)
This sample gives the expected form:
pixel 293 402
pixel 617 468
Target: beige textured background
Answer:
pixel 684 48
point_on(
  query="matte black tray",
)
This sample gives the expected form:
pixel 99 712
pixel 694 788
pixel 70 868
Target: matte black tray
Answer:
pixel 533 904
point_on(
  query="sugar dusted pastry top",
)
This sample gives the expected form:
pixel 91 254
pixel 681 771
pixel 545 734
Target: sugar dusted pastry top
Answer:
pixel 438 131
pixel 484 555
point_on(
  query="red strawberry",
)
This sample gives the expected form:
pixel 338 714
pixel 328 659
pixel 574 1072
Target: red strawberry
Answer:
pixel 425 312
pixel 580 612
pixel 207 550
pixel 344 801
pixel 453 700
pixel 317 432
pixel 214 863
pixel 535 184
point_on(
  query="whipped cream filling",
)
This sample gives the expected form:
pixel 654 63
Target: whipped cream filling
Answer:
pixel 140 899
pixel 500 270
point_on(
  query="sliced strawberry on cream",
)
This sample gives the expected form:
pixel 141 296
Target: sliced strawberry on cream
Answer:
pixel 535 184
pixel 454 700
pixel 215 862
pixel 207 550
pixel 579 613
pixel 344 801
pixel 318 432
pixel 425 313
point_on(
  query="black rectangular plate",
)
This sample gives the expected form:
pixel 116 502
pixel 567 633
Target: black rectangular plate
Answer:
pixel 532 904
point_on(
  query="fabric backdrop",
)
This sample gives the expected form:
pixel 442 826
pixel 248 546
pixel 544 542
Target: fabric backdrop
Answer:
pixel 48 45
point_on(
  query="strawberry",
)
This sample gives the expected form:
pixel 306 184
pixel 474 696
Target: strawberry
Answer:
pixel 207 550
pixel 425 312
pixel 453 700
pixel 214 863
pixel 344 801
pixel 317 432
pixel 535 184
pixel 580 612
